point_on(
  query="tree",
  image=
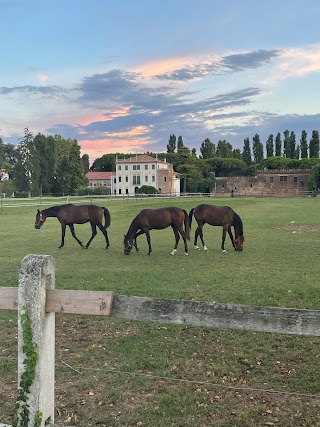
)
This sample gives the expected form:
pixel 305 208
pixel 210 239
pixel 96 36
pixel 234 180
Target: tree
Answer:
pixel 292 149
pixel 314 145
pixel 224 149
pixel 28 169
pixel 207 149
pixel 106 163
pixel 286 144
pixel 270 146
pixel 171 147
pixel 86 163
pixel 246 152
pixel 45 152
pixel 278 145
pixel 304 145
pixel 257 149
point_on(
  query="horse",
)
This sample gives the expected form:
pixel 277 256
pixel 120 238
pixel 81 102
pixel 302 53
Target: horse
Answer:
pixel 218 216
pixel 70 214
pixel 158 219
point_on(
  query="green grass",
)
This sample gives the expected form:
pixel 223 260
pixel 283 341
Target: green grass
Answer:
pixel 135 373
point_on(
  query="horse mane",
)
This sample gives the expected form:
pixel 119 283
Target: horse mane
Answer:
pixel 237 223
pixel 53 211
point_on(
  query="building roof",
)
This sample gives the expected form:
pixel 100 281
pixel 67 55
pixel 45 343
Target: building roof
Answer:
pixel 140 158
pixel 99 175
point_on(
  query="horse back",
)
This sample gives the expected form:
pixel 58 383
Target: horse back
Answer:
pixel 213 215
pixel 79 214
pixel 160 218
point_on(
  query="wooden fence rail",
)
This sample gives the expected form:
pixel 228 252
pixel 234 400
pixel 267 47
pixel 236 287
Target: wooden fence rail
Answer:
pixel 37 296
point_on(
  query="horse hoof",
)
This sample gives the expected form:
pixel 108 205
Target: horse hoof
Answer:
pixel 197 248
pixel 224 251
pixel 186 253
pixel 205 248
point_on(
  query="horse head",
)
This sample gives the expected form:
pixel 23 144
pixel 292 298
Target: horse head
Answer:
pixel 238 242
pixel 128 245
pixel 40 219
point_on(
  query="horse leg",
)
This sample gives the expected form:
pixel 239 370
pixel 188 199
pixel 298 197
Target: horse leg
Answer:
pixel 148 240
pixel 63 233
pixel 199 232
pixel 105 233
pixel 184 237
pixel 135 239
pixel 231 237
pixel 177 237
pixel 224 233
pixel 94 233
pixel 74 235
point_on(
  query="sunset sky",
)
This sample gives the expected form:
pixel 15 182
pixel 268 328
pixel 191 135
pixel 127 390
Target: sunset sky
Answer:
pixel 122 76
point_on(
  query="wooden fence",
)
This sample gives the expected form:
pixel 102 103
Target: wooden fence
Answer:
pixel 37 298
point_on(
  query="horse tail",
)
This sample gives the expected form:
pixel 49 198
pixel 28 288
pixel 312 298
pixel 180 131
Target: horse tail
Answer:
pixel 190 217
pixel 107 218
pixel 186 224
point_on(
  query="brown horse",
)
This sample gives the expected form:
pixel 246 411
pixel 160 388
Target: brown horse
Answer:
pixel 158 219
pixel 77 214
pixel 218 215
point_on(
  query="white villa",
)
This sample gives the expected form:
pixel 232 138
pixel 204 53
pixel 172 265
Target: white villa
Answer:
pixel 134 172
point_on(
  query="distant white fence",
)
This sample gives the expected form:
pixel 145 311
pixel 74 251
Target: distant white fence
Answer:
pixel 37 299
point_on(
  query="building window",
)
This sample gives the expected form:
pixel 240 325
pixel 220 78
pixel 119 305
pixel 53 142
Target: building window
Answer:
pixel 119 190
pixel 165 179
pixel 126 167
pixel 145 167
pixel 127 178
pixel 301 183
pixel 153 166
pixel 295 179
pixel 146 178
pixel 153 178
pixel 127 191
pixel 134 167
pixel 119 168
pixel 138 167
pixel 114 180
pixel 119 178
pixel 90 184
pixel 136 180
pixel 283 178
pixel 271 179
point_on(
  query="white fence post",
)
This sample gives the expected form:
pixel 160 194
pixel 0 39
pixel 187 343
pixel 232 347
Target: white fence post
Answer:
pixel 37 273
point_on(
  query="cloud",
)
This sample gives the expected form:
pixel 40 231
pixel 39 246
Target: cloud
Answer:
pixel 227 64
pixel 32 90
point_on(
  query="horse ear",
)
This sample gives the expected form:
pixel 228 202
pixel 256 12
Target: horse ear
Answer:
pixel 38 210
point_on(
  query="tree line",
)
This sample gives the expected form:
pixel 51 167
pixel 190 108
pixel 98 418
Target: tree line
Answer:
pixel 42 165
pixel 53 165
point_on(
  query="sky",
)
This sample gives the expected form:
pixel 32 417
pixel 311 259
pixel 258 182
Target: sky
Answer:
pixel 122 76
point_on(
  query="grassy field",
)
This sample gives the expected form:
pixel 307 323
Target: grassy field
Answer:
pixel 117 373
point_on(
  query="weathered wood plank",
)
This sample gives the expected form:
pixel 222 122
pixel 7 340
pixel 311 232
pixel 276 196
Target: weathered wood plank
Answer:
pixel 8 298
pixel 233 316
pixel 79 302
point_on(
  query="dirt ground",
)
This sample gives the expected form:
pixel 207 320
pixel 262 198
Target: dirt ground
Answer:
pixel 301 228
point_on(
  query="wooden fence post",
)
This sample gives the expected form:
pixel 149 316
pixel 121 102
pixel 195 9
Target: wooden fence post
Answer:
pixel 36 342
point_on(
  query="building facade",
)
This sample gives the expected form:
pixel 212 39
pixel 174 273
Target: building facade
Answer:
pixel 99 179
pixel 264 183
pixel 134 172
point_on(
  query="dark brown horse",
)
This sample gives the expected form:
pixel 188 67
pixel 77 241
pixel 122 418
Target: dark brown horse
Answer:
pixel 158 219
pixel 218 215
pixel 77 214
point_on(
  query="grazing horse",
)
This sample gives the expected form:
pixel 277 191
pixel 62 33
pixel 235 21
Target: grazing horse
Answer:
pixel 158 219
pixel 77 214
pixel 218 215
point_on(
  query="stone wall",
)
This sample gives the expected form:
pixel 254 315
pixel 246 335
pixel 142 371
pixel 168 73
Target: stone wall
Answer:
pixel 265 183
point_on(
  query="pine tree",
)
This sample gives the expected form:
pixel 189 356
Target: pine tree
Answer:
pixel 257 149
pixel 278 145
pixel 314 145
pixel 270 146
pixel 304 145
pixel 246 152
pixel 171 147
